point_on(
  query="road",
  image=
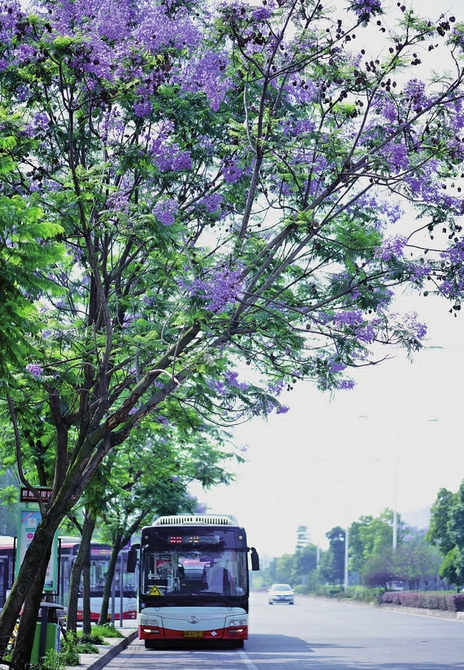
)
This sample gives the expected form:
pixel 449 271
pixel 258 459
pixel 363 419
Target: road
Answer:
pixel 320 635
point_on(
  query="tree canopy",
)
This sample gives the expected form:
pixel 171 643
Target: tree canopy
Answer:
pixel 447 532
pixel 224 182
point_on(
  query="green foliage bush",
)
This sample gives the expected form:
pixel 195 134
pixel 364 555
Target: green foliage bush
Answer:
pixel 436 600
pixel 69 650
pixel 328 591
pixel 87 648
pixel 106 630
pixel 359 593
pixel 92 639
pixel 363 594
pixel 53 661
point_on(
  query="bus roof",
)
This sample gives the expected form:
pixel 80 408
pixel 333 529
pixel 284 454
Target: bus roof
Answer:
pixel 195 520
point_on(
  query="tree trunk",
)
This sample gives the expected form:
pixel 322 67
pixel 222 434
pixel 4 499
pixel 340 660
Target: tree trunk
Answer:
pixel 76 572
pixel 29 590
pixel 86 618
pixel 34 565
pixel 29 617
pixel 74 580
pixel 109 581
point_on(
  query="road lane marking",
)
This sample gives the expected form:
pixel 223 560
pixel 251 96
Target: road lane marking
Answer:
pixel 248 662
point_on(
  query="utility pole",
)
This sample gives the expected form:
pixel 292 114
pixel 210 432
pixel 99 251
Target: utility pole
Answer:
pixel 345 581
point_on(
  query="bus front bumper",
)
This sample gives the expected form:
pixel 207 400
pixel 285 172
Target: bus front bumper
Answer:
pixel 196 624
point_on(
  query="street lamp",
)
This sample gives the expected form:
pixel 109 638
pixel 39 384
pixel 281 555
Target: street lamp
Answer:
pixel 345 580
pixel 395 492
pixel 395 495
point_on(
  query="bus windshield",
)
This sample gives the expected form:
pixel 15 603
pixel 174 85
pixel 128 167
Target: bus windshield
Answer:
pixel 186 572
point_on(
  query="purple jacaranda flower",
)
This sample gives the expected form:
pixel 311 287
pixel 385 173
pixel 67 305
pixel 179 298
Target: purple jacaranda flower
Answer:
pixel 165 211
pixel 201 508
pixel 364 9
pixel 232 172
pixel 336 366
pixel 397 157
pixel 347 385
pixel 218 386
pixel 224 288
pixel 261 14
pixel 366 333
pixel 143 108
pixel 414 91
pixel 34 369
pixel 206 73
pixel 118 202
pixel 276 387
pixel 348 317
pixel 418 329
pixel 391 247
pixel 232 380
pixel 211 202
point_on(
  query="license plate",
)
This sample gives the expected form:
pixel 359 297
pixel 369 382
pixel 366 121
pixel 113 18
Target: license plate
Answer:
pixel 193 633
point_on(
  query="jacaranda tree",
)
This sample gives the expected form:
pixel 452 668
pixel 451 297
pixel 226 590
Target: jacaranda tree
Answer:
pixel 226 177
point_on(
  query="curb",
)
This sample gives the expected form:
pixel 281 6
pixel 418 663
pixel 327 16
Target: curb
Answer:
pixel 114 651
pixel 105 655
pixel 422 611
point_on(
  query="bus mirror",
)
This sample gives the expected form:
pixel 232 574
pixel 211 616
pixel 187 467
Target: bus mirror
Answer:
pixel 131 559
pixel 254 559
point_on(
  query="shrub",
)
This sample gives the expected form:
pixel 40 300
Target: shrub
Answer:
pixel 92 638
pixel 106 630
pixel 87 648
pixel 328 591
pixel 435 600
pixel 363 594
pixel 53 661
pixel 69 650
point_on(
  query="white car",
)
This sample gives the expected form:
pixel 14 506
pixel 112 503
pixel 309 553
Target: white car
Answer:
pixel 281 593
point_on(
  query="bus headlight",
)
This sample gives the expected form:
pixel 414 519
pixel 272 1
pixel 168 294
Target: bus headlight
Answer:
pixel 237 622
pixel 149 622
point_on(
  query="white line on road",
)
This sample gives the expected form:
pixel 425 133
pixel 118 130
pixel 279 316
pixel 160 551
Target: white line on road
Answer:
pixel 248 662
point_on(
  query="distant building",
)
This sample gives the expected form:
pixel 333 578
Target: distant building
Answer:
pixel 302 537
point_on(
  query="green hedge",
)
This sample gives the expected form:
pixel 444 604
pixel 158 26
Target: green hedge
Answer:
pixel 360 593
pixel 434 600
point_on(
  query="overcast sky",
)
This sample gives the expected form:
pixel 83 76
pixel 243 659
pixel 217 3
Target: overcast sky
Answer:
pixel 332 459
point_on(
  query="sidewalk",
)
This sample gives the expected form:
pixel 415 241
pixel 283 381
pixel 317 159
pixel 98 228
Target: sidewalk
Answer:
pixel 107 651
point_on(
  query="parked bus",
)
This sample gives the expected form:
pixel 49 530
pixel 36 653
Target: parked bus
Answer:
pixel 99 561
pixel 193 581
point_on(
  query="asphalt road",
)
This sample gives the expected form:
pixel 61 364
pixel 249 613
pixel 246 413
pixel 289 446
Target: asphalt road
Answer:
pixel 320 635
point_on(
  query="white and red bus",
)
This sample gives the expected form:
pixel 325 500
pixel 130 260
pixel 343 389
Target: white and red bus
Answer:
pixel 99 561
pixel 193 580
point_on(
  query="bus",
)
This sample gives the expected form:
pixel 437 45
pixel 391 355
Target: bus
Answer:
pixel 193 581
pixel 124 602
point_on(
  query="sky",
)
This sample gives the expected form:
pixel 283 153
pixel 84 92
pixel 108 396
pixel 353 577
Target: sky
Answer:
pixel 393 441
pixel 333 458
